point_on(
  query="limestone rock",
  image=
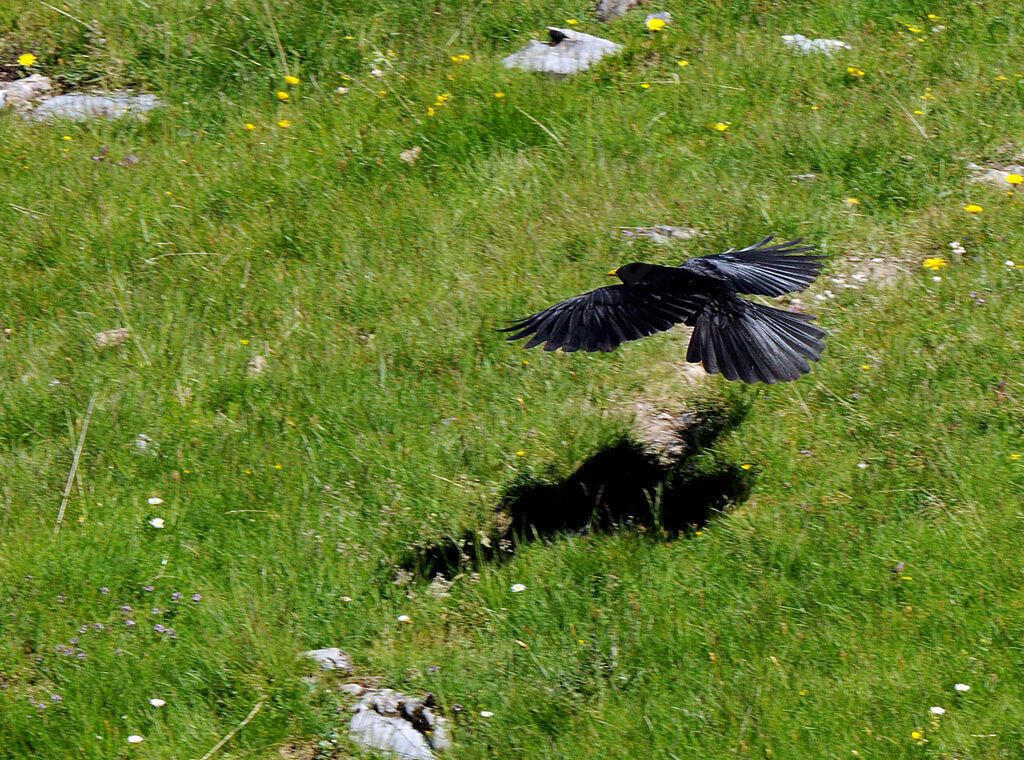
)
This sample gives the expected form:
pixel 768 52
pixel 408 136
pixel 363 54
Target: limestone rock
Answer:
pixel 567 53
pixel 21 92
pixel 110 338
pixel 398 723
pixel 78 106
pixel 609 9
pixel 330 658
pixel 802 44
pixel 994 176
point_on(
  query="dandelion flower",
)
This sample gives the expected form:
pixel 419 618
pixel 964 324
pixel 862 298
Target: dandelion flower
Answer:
pixel 431 110
pixel 1014 456
pixel 517 587
pixel 284 123
pixel 934 264
pixel 520 453
pixel 719 126
pixel 1014 179
pixel 244 341
pixel 684 63
pixel 1001 78
pixel 135 739
pixel 499 95
pixel 645 86
pixel 854 71
pixel 656 24
pixel 157 702
pixel 291 80
pixel 937 710
pixel 572 21
pixel 404 619
pixel 961 687
pixel 852 202
pixel 915 735
pixel 282 95
pixel 973 208
pixel 154 500
pixel 157 522
pixel 26 59
pixel 746 466
pixel 249 126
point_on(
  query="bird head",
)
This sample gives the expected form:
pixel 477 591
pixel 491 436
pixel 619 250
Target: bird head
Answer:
pixel 631 273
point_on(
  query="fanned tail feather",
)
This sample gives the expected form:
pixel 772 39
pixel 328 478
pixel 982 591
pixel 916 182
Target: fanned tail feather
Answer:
pixel 747 341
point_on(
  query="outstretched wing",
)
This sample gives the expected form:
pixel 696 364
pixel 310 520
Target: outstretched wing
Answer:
pixel 761 269
pixel 602 319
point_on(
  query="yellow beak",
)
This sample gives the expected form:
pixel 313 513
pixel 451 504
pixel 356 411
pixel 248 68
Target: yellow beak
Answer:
pixel 612 273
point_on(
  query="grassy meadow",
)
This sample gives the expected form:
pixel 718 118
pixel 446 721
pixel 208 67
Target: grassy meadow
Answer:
pixel 221 520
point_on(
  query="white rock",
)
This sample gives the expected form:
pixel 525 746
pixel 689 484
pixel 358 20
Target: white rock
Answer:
pixel 820 45
pixel 78 106
pixel 609 9
pixel 371 729
pixel 567 53
pixel 21 92
pixel 330 658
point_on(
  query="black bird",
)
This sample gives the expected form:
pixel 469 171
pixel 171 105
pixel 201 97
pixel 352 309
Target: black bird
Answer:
pixel 738 338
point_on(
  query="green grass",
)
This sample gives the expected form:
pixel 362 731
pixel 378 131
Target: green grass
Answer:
pixel 390 415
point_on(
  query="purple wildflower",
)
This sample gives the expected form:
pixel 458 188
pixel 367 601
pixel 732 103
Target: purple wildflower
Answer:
pixel 177 596
pixel 125 608
pixel 129 622
pixel 98 626
pixel 147 588
pixel 61 598
pixel 57 698
pixel 159 628
pixel 118 651
pixel 82 656
pixel 196 597
pixel 157 611
pixel 104 590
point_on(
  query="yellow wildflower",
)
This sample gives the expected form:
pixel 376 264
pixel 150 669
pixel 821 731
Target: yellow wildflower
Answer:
pixel 499 95
pixel 282 95
pixel 852 202
pixel 66 137
pixel 1014 179
pixel 291 80
pixel 245 341
pixel 656 24
pixel 249 126
pixel 934 264
pixel 684 63
pixel 746 466
pixel 26 59
pixel 278 467
pixel 973 208
pixel 520 453
pixel 1014 456
pixel 431 110
pixel 854 71
pixel 719 126
pixel 645 85
pixel 914 29
pixel 572 21
pixel 933 17
pixel 284 123
pixel 1001 78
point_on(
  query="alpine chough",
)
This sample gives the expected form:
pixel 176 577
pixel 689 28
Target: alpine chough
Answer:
pixel 740 339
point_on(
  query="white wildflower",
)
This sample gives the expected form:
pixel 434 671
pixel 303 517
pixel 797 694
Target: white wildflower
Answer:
pixel 517 587
pixel 157 702
pixel 154 500
pixel 962 687
pixel 157 522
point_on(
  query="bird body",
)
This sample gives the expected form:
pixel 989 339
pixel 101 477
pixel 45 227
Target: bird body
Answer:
pixel 740 339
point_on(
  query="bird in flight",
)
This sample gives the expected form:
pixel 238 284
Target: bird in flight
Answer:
pixel 740 339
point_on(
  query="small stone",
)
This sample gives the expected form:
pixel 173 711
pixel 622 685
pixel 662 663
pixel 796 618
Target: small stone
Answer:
pixel 802 44
pixel 257 364
pixel 21 92
pixel 330 658
pixel 411 156
pixel 116 337
pixel 355 689
pixel 609 9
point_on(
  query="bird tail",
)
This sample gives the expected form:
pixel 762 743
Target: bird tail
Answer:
pixel 751 342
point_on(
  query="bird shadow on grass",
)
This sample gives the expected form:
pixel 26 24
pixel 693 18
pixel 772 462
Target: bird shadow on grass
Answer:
pixel 621 487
